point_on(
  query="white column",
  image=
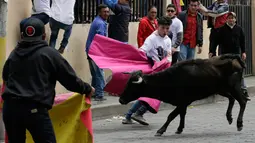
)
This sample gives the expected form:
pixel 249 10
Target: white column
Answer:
pixel 165 4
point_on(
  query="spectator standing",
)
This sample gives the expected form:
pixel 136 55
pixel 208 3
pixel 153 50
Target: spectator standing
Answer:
pixel 119 21
pixel 62 18
pixel 175 33
pixel 217 16
pixel 231 38
pixel 147 25
pixel 193 31
pixel 98 26
pixel 41 10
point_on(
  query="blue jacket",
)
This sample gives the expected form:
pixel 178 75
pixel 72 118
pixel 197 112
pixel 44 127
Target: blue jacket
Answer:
pixel 98 26
pixel 119 22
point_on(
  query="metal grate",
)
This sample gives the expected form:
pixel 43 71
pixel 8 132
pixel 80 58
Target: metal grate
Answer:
pixel 244 16
pixel 85 10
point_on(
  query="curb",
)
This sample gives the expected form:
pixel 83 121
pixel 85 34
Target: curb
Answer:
pixel 107 111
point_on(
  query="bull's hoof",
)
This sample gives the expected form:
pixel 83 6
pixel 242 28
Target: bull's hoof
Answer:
pixel 178 132
pixel 158 134
pixel 239 129
pixel 239 125
pixel 230 121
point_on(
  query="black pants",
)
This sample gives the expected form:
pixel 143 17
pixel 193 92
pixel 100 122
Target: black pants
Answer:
pixel 19 116
pixel 175 58
pixel 214 41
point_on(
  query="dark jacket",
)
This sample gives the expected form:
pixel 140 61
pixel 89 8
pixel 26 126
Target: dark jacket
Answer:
pixel 183 16
pixel 119 21
pixel 231 40
pixel 31 71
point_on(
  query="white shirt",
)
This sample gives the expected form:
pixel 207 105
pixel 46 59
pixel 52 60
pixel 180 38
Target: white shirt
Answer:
pixel 157 47
pixel 176 27
pixel 41 6
pixel 63 11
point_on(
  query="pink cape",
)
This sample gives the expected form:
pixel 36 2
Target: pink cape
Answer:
pixel 119 57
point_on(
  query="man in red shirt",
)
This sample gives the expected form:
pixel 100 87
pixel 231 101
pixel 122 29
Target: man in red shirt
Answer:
pixel 193 31
pixel 147 25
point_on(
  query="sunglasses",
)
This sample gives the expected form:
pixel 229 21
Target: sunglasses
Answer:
pixel 171 11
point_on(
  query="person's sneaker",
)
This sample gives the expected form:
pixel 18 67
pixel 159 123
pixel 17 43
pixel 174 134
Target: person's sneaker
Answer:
pixel 139 119
pixel 127 121
pixel 100 98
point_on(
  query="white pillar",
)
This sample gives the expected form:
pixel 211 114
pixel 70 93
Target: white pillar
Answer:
pixel 165 4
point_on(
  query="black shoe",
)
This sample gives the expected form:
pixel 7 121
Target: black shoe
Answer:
pixel 100 98
pixel 93 96
pixel 61 50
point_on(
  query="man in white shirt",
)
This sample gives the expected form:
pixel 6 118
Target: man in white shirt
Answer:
pixel 41 10
pixel 62 17
pixel 157 47
pixel 175 33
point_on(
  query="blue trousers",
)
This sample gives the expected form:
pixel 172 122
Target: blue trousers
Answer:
pixel 43 17
pixel 97 78
pixel 55 26
pixel 186 52
pixel 136 107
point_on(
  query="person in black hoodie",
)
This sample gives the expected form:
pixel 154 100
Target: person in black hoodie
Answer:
pixel 231 38
pixel 30 74
pixel 119 20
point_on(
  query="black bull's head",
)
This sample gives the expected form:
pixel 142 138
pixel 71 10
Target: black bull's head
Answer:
pixel 227 64
pixel 133 88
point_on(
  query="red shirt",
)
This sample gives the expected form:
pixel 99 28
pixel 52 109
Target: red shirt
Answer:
pixel 220 21
pixel 190 33
pixel 146 27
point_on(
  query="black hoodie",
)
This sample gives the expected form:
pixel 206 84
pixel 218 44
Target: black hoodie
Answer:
pixel 31 72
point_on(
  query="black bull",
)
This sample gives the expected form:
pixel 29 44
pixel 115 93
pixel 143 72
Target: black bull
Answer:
pixel 188 81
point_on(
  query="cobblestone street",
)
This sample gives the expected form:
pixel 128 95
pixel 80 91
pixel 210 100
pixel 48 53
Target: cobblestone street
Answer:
pixel 204 124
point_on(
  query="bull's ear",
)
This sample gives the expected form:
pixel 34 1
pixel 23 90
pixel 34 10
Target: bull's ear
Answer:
pixel 139 72
pixel 126 72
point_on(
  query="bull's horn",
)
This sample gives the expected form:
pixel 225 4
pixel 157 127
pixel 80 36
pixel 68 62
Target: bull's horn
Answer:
pixel 140 80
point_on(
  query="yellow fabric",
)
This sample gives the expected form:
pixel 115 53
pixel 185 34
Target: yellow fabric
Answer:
pixel 2 54
pixel 181 3
pixel 66 121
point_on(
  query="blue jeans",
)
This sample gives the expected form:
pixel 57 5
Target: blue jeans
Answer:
pixel 136 107
pixel 19 115
pixel 186 53
pixel 43 17
pixel 97 78
pixel 243 85
pixel 55 26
